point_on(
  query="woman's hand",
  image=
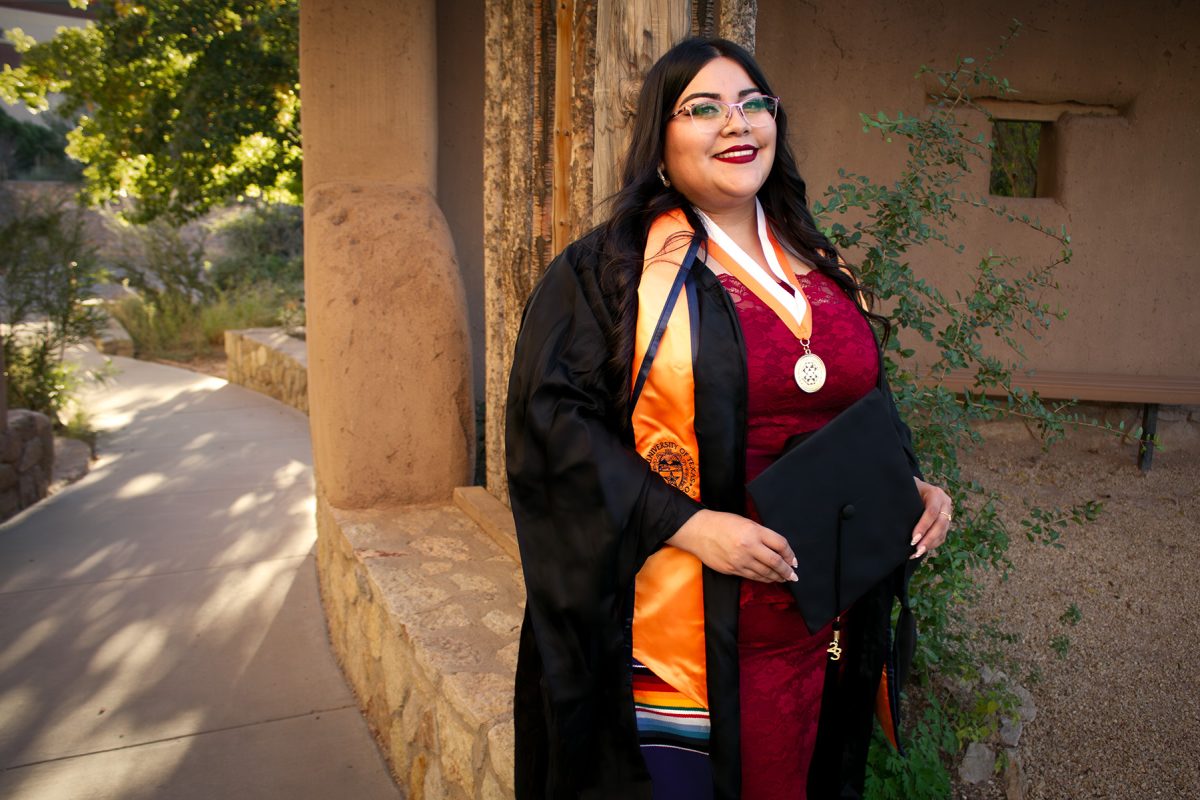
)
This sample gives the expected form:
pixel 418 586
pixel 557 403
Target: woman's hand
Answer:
pixel 738 546
pixel 934 524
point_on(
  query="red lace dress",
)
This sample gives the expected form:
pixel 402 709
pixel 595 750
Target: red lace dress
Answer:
pixel 782 665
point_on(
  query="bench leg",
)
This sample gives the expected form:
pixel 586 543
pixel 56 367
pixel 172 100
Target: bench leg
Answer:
pixel 1146 443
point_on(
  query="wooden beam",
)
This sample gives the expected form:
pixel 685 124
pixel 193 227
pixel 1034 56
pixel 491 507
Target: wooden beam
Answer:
pixel 1025 111
pixel 564 36
pixel 630 36
pixel 1092 386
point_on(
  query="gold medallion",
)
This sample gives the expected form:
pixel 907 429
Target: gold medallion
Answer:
pixel 810 372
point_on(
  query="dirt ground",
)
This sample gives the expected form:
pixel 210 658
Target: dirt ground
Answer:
pixel 1118 690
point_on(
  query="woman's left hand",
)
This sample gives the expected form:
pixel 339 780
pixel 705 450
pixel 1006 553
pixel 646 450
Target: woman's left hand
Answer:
pixel 934 524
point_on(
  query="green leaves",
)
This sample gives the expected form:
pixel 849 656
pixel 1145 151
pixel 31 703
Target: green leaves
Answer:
pixel 979 330
pixel 178 106
pixel 47 270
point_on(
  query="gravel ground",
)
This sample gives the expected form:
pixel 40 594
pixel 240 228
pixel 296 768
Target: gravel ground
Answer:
pixel 1119 711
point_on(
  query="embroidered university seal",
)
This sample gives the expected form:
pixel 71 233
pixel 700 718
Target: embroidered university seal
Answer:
pixel 674 464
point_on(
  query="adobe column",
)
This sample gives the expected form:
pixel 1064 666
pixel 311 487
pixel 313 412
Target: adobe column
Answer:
pixel 389 379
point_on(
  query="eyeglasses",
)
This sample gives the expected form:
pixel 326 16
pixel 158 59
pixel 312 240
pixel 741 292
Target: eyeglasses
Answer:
pixel 710 116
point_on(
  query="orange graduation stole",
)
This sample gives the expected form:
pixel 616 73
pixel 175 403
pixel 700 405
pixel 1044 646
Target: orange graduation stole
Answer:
pixel 668 617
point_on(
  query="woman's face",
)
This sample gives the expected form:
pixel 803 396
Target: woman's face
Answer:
pixel 722 170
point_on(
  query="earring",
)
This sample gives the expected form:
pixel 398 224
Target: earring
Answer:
pixel 663 178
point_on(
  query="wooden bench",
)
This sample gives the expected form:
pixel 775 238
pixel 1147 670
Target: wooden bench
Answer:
pixel 1150 391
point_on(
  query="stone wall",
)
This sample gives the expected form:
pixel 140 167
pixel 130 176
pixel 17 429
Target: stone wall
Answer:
pixel 424 608
pixel 269 361
pixel 424 614
pixel 26 460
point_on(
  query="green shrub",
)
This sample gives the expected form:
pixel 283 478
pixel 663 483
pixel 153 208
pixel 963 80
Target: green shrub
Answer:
pixel 173 327
pixel 185 303
pixel 38 379
pixel 160 261
pixel 167 326
pixel 47 272
pixel 880 227
pixel 33 152
pixel 260 244
pixel 920 773
pixel 252 307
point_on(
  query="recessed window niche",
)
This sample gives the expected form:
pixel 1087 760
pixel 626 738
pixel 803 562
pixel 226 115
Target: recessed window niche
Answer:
pixel 1021 155
pixel 1024 138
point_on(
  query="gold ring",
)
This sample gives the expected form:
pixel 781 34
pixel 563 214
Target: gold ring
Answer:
pixel 947 516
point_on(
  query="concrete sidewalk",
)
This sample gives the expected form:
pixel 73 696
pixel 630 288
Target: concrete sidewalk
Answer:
pixel 161 635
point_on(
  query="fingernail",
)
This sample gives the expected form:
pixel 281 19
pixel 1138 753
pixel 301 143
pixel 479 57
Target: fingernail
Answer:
pixel 795 563
pixel 916 538
pixel 795 578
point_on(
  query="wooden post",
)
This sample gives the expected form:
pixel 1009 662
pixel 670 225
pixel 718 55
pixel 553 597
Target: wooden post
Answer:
pixel 736 21
pixel 517 178
pixel 3 393
pixel 1146 440
pixel 630 36
pixel 564 36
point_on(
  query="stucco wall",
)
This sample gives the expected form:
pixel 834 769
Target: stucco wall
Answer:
pixel 460 153
pixel 1128 186
pixel 389 385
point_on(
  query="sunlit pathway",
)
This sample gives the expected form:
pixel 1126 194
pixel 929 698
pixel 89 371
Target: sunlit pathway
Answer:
pixel 161 635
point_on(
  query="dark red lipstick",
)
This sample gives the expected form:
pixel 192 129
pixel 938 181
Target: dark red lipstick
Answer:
pixel 746 154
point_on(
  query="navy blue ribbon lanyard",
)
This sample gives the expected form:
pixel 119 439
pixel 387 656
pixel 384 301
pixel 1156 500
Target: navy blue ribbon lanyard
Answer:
pixel 683 278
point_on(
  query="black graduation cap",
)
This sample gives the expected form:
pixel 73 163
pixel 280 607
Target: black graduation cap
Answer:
pixel 844 498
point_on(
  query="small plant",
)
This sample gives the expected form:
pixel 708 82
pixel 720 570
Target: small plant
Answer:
pixel 79 426
pixel 1060 644
pixel 920 773
pixel 38 379
pixel 293 317
pixel 1071 616
pixel 1034 676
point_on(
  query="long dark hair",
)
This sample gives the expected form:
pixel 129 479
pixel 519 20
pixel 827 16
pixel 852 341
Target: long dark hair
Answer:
pixel 642 197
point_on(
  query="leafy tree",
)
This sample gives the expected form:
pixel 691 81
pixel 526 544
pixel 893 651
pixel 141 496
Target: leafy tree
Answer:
pixel 179 106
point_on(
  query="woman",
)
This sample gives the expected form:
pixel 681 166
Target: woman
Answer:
pixel 648 578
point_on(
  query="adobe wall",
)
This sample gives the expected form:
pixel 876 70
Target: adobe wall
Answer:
pixel 390 395
pixel 460 154
pixel 1128 185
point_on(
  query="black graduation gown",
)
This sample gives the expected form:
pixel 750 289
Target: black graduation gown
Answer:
pixel 589 511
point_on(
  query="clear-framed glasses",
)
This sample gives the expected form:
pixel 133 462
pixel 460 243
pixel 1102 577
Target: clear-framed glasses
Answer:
pixel 711 115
